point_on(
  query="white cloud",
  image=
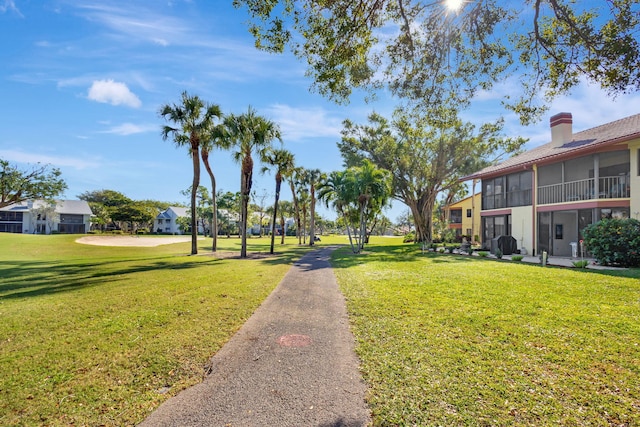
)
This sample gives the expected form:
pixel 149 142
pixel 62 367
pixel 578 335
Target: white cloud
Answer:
pixel 114 93
pixel 57 161
pixel 301 123
pixel 9 5
pixel 131 129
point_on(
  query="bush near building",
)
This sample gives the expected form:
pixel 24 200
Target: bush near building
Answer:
pixel 614 242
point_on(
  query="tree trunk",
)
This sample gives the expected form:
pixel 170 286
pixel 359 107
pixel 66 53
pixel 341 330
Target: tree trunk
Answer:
pixel 195 155
pixel 245 192
pixel 422 217
pixel 296 209
pixel 214 207
pixel 275 212
pixel 312 221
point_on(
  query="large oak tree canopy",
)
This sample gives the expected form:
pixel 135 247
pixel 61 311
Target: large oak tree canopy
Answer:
pixel 425 52
pixel 37 182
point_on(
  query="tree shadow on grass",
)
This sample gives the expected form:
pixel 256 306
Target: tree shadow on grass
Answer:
pixel 345 258
pixel 21 279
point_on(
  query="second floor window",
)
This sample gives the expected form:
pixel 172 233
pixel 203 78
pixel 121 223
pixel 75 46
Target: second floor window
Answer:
pixel 455 216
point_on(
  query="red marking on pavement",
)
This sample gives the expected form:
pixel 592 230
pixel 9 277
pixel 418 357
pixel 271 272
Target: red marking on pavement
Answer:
pixel 294 340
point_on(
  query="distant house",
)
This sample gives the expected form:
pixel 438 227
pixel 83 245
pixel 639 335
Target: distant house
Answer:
pixel 167 220
pixel 41 217
pixel 546 196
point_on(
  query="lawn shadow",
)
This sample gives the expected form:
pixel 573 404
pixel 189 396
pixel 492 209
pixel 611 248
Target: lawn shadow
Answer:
pixel 22 279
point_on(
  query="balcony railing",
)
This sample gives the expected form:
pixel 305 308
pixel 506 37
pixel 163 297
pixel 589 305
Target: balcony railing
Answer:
pixel 609 187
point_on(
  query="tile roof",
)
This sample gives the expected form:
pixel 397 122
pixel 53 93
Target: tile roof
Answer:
pixel 586 140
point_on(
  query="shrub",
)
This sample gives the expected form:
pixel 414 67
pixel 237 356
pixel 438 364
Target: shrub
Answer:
pixel 580 264
pixel 441 250
pixel 614 241
pixel 409 237
pixel 498 253
pixel 483 254
pixel 517 258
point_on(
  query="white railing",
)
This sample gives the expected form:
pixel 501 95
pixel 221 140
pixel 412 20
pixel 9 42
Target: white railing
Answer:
pixel 609 187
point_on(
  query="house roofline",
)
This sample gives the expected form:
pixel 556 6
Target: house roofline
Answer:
pixel 553 158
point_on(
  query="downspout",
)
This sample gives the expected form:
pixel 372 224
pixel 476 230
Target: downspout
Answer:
pixel 473 209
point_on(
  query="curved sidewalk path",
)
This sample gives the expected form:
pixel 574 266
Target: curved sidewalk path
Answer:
pixel 291 364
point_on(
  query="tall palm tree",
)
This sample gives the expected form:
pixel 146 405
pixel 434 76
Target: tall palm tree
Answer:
pixel 248 132
pixel 314 176
pixel 303 202
pixel 193 120
pixel 292 175
pixel 280 160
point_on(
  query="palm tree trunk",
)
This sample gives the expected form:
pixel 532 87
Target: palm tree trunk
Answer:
pixel 296 208
pixel 312 223
pixel 282 224
pixel 195 155
pixel 275 212
pixel 214 207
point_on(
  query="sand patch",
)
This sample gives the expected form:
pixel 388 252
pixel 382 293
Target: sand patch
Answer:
pixel 140 241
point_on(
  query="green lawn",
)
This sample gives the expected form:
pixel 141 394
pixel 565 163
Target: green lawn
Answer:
pixel 94 335
pixel 455 340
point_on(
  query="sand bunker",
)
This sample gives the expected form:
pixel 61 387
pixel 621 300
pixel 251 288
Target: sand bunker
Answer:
pixel 140 241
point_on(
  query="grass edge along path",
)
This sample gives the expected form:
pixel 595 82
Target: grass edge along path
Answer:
pixel 102 335
pixel 457 340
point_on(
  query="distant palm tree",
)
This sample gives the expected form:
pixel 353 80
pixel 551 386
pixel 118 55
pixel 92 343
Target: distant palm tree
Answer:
pixel 248 132
pixel 193 120
pixel 314 176
pixel 280 160
pixel 373 189
pixel 337 190
pixel 218 138
pixel 285 209
pixel 292 175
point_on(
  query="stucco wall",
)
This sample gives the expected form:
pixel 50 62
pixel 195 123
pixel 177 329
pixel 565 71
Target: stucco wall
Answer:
pixel 634 183
pixel 522 227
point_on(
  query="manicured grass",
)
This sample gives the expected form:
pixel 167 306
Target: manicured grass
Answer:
pixel 94 335
pixel 457 340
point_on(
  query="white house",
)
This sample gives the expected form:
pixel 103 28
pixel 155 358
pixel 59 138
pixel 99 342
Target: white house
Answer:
pixel 167 220
pixel 41 217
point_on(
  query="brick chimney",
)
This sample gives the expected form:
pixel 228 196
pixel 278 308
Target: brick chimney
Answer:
pixel 561 129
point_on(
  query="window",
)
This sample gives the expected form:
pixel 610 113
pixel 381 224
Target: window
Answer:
pixel 519 189
pixel 493 194
pixel 468 213
pixel 455 216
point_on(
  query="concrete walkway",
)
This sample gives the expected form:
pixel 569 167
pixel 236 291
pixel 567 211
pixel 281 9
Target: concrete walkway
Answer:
pixel 291 364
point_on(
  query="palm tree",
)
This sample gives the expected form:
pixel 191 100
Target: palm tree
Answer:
pixel 303 203
pixel 193 120
pixel 281 160
pixel 314 176
pixel 292 176
pixel 285 209
pixel 218 138
pixel 337 190
pixel 248 132
pixel 373 188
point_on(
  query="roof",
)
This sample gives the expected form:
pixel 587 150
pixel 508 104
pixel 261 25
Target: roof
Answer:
pixel 75 207
pixel 178 210
pixel 583 142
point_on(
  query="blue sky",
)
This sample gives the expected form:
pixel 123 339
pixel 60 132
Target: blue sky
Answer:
pixel 82 82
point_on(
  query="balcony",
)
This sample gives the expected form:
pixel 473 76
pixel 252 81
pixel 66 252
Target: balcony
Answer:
pixel 609 187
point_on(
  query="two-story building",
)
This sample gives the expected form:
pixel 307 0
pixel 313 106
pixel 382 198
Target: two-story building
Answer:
pixel 546 196
pixel 464 216
pixel 41 217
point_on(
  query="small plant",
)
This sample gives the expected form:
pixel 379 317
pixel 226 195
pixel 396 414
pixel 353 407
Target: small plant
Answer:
pixel 409 237
pixel 483 254
pixel 441 250
pixel 470 250
pixel 517 258
pixel 498 253
pixel 450 249
pixel 580 264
